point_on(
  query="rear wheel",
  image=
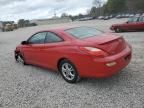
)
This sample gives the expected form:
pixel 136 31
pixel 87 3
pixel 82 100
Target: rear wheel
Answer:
pixel 68 71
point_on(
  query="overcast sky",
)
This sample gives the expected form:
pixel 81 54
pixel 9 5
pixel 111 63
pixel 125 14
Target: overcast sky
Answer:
pixel 37 9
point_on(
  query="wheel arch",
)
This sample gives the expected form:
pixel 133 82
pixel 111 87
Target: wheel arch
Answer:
pixel 65 58
pixel 19 51
pixel 59 61
pixel 72 63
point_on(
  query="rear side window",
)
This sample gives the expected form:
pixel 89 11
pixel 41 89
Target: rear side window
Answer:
pixel 83 32
pixel 38 38
pixel 52 38
pixel 141 19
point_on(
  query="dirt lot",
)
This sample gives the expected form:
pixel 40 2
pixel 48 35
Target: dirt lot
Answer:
pixel 33 87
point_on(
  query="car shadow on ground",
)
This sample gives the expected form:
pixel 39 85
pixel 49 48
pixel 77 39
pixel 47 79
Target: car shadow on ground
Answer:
pixel 122 77
pixel 43 70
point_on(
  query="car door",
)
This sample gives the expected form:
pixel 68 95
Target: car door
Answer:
pixel 132 24
pixel 141 23
pixel 32 51
pixel 51 52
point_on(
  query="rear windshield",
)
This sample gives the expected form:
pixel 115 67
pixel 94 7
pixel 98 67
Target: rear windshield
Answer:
pixel 83 32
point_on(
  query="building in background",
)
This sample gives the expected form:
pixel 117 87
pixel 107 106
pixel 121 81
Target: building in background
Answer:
pixel 7 26
pixel 54 20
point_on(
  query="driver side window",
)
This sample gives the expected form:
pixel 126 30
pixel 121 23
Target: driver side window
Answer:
pixel 38 38
pixel 143 19
pixel 134 19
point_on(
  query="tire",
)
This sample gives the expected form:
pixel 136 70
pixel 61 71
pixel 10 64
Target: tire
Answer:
pixel 118 30
pixel 19 58
pixel 69 71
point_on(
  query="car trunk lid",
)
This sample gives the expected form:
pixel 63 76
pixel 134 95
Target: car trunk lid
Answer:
pixel 110 43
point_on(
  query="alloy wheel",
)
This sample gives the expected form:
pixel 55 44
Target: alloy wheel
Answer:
pixel 68 71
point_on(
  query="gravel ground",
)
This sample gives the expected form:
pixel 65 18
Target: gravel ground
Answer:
pixel 33 87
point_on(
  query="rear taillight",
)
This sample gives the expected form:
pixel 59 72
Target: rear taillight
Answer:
pixel 94 51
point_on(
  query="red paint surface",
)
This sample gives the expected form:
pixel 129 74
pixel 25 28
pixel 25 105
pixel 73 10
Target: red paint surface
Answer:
pixel 88 65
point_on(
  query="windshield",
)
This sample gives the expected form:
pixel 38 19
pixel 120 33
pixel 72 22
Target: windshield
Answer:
pixel 83 32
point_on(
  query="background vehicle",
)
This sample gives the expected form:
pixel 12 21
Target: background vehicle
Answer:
pixel 106 17
pixel 101 17
pixel 119 16
pixel 135 23
pixel 76 52
pixel 8 27
pixel 86 19
pixel 14 26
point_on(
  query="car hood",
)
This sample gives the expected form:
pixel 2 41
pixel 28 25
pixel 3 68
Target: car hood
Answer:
pixel 114 25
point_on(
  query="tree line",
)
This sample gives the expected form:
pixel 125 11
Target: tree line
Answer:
pixel 25 23
pixel 117 7
pixel 111 7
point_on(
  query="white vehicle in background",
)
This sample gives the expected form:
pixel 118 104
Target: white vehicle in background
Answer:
pixel 131 15
pixel 101 17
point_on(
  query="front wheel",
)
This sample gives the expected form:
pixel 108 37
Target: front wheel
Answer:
pixel 118 30
pixel 68 71
pixel 19 58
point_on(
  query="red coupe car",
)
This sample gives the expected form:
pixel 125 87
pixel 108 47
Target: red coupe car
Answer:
pixel 76 52
pixel 135 23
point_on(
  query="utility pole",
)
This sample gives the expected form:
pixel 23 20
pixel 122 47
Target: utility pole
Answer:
pixel 55 13
pixel 98 3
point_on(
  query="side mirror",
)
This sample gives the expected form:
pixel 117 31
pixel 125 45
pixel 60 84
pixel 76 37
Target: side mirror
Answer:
pixel 24 42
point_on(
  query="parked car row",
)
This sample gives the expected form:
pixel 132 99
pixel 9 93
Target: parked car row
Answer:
pixel 107 17
pixel 117 16
pixel 124 16
pixel 86 18
pixel 135 23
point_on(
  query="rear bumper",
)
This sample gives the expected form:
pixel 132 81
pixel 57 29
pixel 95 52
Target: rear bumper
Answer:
pixel 106 67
